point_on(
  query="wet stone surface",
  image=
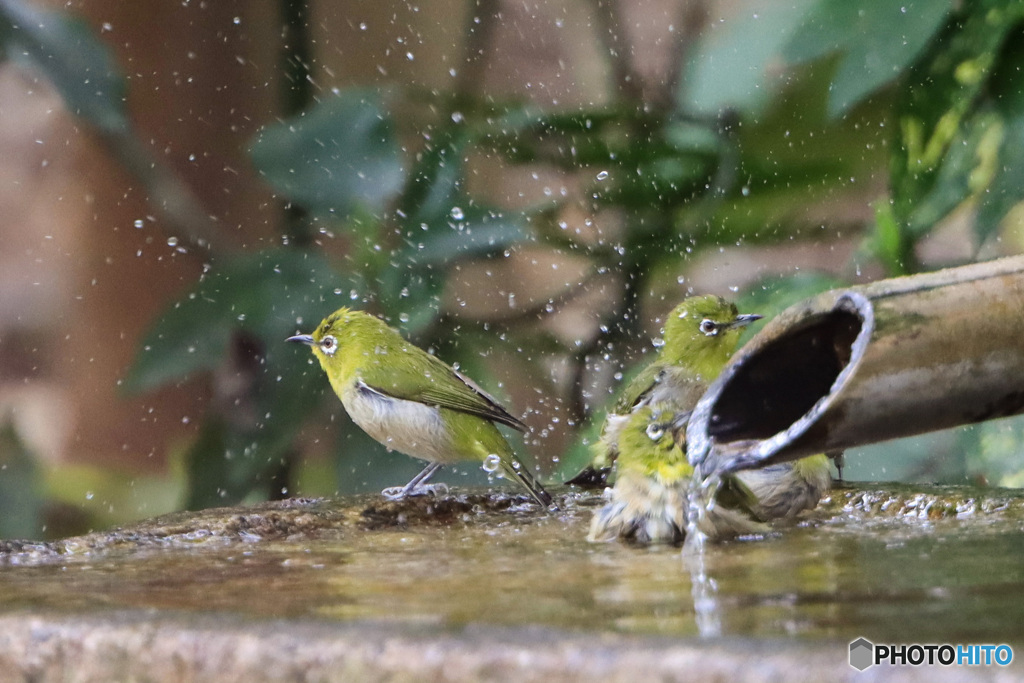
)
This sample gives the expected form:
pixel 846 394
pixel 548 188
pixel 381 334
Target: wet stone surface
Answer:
pixel 475 586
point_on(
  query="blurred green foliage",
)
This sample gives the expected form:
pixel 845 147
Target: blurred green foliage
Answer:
pixel 20 485
pixel 769 112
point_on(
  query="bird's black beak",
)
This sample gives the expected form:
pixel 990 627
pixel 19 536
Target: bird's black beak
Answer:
pixel 679 421
pixel 306 339
pixel 745 319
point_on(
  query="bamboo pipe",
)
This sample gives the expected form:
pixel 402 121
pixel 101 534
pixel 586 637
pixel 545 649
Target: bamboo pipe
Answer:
pixel 869 363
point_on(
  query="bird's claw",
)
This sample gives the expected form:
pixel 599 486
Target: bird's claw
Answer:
pixel 394 493
pixel 435 490
pixel 400 492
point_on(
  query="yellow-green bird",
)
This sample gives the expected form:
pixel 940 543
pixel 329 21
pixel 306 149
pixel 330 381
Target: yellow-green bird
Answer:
pixel 788 488
pixel 648 503
pixel 700 335
pixel 413 402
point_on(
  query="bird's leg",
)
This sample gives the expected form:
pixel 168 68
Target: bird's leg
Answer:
pixel 839 460
pixel 419 481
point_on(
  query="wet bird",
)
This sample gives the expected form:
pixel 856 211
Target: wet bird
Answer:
pixel 700 335
pixel 412 402
pixel 789 488
pixel 649 502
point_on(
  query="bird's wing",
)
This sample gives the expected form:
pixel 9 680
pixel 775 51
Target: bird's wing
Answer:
pixel 637 388
pixel 426 379
pixel 734 494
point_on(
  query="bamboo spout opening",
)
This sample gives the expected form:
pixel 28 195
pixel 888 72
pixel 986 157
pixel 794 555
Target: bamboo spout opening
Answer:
pixel 774 392
pixel 784 380
pixel 881 361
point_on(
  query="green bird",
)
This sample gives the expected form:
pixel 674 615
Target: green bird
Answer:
pixel 413 402
pixel 649 502
pixel 700 335
pixel 786 489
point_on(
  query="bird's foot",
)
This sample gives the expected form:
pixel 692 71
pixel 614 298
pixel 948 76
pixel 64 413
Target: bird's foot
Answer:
pixel 435 490
pixel 394 493
pixel 400 492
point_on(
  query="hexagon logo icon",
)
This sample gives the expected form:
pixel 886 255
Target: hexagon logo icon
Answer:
pixel 862 654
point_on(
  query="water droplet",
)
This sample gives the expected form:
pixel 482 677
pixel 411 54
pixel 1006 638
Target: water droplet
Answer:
pixel 491 463
pixel 603 175
pixel 138 223
pixel 457 116
pixel 172 241
pixel 457 213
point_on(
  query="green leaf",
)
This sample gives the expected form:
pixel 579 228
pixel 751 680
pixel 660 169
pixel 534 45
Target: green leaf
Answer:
pixel 435 182
pixel 68 54
pixel 1007 165
pixel 334 159
pixel 266 294
pixel 21 500
pixel 440 224
pixel 410 290
pixel 966 168
pixel 1007 189
pixel 772 295
pixel 209 470
pixel 417 303
pixel 478 231
pixel 731 67
pixel 233 457
pixel 878 40
pixel 235 323
pixel 889 242
pixel 956 121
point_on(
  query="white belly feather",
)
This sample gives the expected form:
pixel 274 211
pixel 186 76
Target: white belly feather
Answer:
pixel 405 426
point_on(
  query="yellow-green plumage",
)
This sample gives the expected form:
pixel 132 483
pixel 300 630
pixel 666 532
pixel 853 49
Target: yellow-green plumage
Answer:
pixel 700 335
pixel 413 402
pixel 789 488
pixel 646 504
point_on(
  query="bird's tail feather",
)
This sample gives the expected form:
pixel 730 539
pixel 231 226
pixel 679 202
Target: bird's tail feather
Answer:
pixel 515 469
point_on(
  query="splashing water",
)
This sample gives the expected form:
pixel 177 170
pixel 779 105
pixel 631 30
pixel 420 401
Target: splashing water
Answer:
pixel 707 612
pixel 700 501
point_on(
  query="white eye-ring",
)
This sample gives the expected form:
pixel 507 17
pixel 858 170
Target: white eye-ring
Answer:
pixel 708 327
pixel 655 431
pixel 329 345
